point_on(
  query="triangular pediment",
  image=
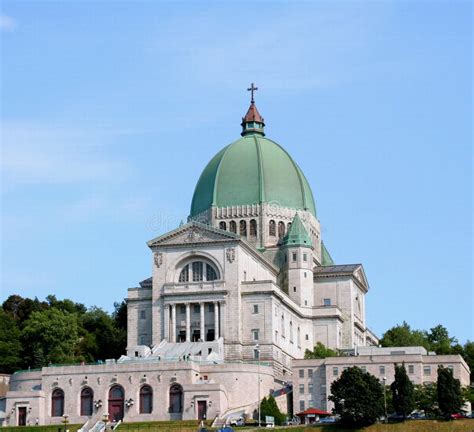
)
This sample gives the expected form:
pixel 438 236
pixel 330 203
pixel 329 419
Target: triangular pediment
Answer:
pixel 193 233
pixel 359 274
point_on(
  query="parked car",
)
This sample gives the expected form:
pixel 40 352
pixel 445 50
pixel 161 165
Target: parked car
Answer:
pixel 458 416
pixel 327 420
pixel 236 421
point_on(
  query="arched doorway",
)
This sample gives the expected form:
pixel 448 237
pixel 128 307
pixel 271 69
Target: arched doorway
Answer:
pixel 176 401
pixel 116 403
pixel 87 396
pixel 57 403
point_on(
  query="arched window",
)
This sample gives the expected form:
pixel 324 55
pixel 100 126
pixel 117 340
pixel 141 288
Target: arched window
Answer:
pixel 281 229
pixel 210 273
pixel 116 403
pixel 223 225
pixel 283 326
pixel 57 403
pixel 243 228
pixel 176 399
pixel 233 227
pixel 253 228
pixel 198 271
pixel 184 275
pixel 87 396
pixel 298 337
pixel 271 228
pixel 288 226
pixel 291 331
pixel 146 400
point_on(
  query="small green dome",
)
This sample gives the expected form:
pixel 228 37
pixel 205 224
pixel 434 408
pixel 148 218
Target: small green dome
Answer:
pixel 252 170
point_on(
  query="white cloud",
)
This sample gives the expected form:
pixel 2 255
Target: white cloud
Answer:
pixel 7 23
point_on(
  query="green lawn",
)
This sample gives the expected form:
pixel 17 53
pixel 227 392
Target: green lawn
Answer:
pixel 192 426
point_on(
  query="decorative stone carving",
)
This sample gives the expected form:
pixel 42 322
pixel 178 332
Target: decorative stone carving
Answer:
pixel 230 254
pixel 99 380
pixel 158 259
pixel 130 379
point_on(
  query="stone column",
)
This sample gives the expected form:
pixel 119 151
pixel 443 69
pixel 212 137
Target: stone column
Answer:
pixel 203 320
pixel 216 320
pixel 188 322
pixel 173 322
pixel 166 329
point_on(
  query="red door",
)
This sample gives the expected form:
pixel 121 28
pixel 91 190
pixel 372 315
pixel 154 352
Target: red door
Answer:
pixel 116 403
pixel 115 411
pixel 22 416
pixel 202 410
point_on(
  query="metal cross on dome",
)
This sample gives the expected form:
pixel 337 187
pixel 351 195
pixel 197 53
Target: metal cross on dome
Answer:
pixel 252 89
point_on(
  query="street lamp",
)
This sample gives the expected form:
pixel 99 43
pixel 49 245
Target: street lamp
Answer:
pixel 65 421
pixel 257 350
pixel 385 399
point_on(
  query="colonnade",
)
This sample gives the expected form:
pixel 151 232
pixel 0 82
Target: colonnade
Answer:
pixel 171 325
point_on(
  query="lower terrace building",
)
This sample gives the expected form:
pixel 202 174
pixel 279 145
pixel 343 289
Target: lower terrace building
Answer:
pixel 312 379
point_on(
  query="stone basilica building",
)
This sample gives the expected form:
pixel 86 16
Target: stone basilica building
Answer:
pixel 235 294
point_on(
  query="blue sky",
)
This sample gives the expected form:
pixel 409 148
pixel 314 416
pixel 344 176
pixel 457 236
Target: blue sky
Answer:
pixel 110 111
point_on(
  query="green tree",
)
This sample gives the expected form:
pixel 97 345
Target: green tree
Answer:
pixel 100 337
pixel 426 398
pixel 357 397
pixel 10 345
pixel 468 355
pixel 320 351
pixel 449 392
pixel 269 407
pixel 440 341
pixel 402 392
pixel 51 336
pixel 403 335
pixel 20 309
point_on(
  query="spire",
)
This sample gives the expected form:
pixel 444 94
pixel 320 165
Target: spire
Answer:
pixel 253 122
pixel 297 234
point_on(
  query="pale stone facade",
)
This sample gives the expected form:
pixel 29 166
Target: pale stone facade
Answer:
pixel 235 286
pixel 312 379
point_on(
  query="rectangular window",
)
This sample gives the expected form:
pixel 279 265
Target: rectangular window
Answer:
pixel 310 373
pixel 310 388
pixel 301 405
pixel 364 368
pixel 276 335
pixel 335 371
pixel 255 334
pixel 182 309
pixel 411 369
pixel 142 314
pixel 196 308
pixel 301 388
pixel 142 339
pixel 305 257
pixel 301 373
pixel 327 302
pixel 426 370
pixel 311 403
pixel 294 256
pixel 211 307
pixel 197 271
pixel 255 309
pixel 306 337
pixel 382 370
pixel 256 354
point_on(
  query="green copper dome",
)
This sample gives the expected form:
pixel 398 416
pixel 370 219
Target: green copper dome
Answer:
pixel 252 170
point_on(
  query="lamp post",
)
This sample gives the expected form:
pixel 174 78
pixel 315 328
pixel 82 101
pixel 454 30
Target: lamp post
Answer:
pixel 385 399
pixel 65 421
pixel 257 350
